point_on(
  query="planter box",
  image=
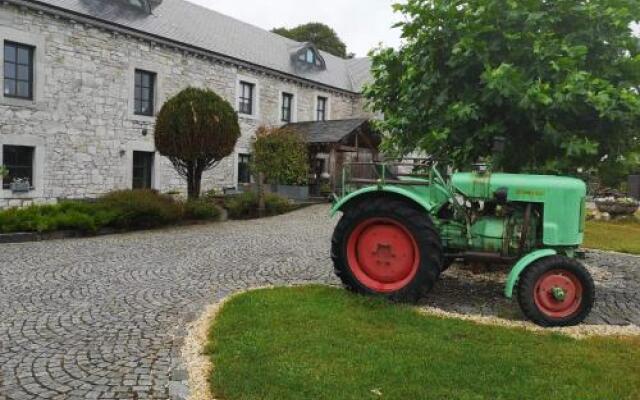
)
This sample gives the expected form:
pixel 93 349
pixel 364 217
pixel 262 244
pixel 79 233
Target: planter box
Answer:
pixel 616 208
pixel 20 187
pixel 298 193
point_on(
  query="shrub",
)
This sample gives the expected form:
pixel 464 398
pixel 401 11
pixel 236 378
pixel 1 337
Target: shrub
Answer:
pixel 281 155
pixel 245 206
pixel 67 215
pixel 201 210
pixel 140 209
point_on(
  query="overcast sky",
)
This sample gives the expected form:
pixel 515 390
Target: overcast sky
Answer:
pixel 361 24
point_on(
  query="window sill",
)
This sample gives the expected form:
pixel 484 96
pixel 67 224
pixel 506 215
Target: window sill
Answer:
pixel 142 118
pixel 18 102
pixel 252 117
pixel 8 194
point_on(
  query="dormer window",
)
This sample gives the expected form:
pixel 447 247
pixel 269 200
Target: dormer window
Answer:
pixel 139 5
pixel 308 57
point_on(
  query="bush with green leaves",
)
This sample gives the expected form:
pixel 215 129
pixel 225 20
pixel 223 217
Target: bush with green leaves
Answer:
pixel 201 210
pixel 141 209
pixel 196 129
pixel 558 79
pixel 68 215
pixel 281 154
pixel 245 206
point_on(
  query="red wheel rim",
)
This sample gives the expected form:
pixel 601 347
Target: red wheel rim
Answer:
pixel 558 294
pixel 382 254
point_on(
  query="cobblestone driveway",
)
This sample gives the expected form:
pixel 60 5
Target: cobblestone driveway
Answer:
pixel 104 317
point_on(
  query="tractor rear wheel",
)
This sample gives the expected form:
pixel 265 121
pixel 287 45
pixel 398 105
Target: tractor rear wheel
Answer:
pixel 385 247
pixel 556 291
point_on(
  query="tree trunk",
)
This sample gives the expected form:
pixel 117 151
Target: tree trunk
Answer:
pixel 261 202
pixel 194 180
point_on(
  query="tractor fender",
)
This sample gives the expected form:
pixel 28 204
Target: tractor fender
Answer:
pixel 521 265
pixel 398 191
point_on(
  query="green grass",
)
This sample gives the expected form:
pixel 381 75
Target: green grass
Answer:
pixel 622 236
pixel 323 343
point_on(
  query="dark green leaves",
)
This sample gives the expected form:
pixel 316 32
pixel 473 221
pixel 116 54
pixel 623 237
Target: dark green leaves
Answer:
pixel 559 79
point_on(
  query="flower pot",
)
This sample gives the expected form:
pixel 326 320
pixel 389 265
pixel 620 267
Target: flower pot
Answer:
pixel 618 207
pixel 298 193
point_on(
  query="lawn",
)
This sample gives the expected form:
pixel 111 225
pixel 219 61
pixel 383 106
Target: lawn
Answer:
pixel 324 343
pixel 622 236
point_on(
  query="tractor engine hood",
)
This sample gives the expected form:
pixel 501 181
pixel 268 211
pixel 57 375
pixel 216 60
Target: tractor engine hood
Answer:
pixel 563 199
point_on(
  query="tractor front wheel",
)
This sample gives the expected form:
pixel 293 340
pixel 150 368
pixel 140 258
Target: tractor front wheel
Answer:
pixel 385 247
pixel 556 291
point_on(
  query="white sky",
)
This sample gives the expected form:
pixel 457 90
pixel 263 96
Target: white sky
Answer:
pixel 361 24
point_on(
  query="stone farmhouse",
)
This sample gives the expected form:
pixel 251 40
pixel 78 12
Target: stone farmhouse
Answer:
pixel 83 79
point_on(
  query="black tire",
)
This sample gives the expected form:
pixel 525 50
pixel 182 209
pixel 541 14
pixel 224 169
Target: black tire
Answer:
pixel 421 229
pixel 529 279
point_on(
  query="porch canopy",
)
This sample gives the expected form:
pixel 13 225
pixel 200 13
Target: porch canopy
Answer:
pixel 333 143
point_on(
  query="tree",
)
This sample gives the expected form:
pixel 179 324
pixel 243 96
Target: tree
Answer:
pixel 557 79
pixel 281 155
pixel 321 35
pixel 196 129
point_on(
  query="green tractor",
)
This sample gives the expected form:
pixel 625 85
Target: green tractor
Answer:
pixel 401 229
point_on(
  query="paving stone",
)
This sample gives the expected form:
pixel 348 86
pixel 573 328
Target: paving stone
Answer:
pixel 105 317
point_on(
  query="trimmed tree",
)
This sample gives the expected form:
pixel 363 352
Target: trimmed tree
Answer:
pixel 558 79
pixel 281 155
pixel 196 129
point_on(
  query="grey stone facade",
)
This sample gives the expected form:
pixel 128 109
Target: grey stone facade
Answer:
pixel 81 120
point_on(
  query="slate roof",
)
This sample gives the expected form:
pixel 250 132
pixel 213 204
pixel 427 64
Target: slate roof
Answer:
pixel 200 27
pixel 332 131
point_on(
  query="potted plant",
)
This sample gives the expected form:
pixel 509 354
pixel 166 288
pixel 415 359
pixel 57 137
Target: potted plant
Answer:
pixel 3 171
pixel 616 204
pixel 20 185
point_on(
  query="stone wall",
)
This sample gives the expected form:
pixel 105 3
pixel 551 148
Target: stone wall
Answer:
pixel 81 120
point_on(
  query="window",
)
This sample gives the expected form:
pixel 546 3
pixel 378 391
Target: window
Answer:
pixel 246 98
pixel 18 70
pixel 244 168
pixel 143 169
pixel 19 161
pixel 322 109
pixel 144 93
pixel 310 56
pixel 287 106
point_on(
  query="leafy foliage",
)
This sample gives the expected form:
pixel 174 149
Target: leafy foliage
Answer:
pixel 558 79
pixel 245 206
pixel 323 36
pixel 281 155
pixel 126 209
pixel 196 129
pixel 201 209
pixel 135 209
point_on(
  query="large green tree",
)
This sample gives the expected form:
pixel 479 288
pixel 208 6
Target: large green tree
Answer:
pixel 196 129
pixel 558 79
pixel 323 36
